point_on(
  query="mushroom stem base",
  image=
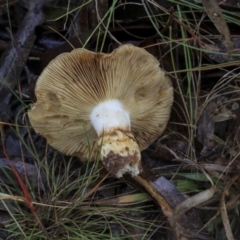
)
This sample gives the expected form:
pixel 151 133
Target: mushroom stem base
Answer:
pixel 120 153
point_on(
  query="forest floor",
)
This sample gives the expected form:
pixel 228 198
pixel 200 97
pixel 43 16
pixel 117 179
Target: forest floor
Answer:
pixel 193 166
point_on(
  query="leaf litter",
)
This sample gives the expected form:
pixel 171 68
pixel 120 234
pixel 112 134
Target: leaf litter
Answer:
pixel 194 165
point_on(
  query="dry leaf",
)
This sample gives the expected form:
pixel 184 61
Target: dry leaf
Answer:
pixel 214 12
pixel 216 51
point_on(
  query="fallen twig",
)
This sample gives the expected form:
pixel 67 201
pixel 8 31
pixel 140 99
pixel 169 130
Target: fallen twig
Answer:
pixel 14 57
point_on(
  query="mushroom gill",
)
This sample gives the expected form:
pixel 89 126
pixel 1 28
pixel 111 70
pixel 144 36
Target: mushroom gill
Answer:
pixel 119 103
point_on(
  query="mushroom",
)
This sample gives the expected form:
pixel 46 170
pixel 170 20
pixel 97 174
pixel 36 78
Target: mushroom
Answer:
pixel 113 104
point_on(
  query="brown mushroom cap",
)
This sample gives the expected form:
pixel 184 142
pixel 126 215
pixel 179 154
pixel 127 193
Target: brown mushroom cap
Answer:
pixel 74 83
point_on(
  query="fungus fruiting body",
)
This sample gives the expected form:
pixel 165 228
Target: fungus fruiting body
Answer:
pixel 116 103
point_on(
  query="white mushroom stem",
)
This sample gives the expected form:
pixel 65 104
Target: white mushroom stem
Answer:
pixel 119 150
pixel 110 115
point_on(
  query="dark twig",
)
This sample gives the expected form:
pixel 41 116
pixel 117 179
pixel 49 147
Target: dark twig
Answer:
pixel 14 57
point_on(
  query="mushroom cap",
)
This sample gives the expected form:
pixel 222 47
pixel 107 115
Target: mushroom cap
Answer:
pixel 74 83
